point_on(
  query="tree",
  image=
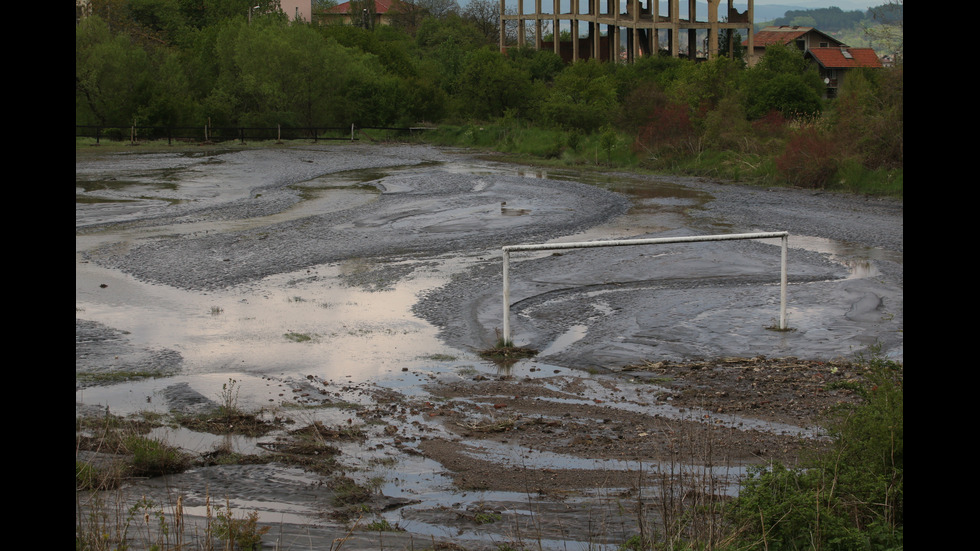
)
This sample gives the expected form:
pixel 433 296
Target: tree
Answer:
pixel 541 65
pixel 782 81
pixel 730 44
pixel 488 85
pixel 583 97
pixel 111 75
pixel 702 86
pixel 889 27
pixel 438 8
pixel 170 99
pixel 484 15
pixel 362 13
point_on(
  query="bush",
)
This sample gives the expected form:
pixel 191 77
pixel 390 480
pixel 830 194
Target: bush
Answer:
pixel 851 497
pixel 809 159
pixel 668 134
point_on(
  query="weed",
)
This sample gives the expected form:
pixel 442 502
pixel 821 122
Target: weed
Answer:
pixel 229 418
pixel 113 377
pixel 228 398
pixel 215 310
pixel 151 457
pixel 240 533
pixel 382 526
pixel 775 326
pixel 487 518
pixel 298 337
pixel 440 357
pixel 507 354
pixel 504 352
pixel 348 492
pixel 388 462
pixel 92 478
pixel 489 425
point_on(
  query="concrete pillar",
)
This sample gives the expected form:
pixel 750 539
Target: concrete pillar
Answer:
pixel 503 34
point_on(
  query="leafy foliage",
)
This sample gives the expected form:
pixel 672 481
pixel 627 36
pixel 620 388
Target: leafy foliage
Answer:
pixel 227 64
pixel 583 97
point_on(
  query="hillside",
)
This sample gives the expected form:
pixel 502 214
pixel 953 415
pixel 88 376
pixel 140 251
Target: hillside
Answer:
pixel 849 26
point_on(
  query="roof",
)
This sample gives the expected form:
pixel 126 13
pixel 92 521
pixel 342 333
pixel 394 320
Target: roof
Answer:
pixel 380 7
pixel 842 58
pixel 786 34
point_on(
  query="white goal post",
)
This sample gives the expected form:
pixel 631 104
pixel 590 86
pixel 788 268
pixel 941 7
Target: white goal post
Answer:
pixel 653 241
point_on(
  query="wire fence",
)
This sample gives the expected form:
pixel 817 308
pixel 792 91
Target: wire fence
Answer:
pixel 243 134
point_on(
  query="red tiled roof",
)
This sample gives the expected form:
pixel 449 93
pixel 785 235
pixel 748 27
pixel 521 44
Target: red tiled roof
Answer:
pixel 787 34
pixel 380 6
pixel 837 58
pixel 779 35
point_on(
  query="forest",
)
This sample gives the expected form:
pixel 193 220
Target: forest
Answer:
pixel 235 63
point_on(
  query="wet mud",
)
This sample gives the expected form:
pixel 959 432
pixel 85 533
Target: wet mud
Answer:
pixel 351 287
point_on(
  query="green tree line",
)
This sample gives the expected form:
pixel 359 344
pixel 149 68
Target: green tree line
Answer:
pixel 233 63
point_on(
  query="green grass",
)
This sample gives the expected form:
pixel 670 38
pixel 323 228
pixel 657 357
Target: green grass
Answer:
pixel 609 149
pixel 852 177
pixel 92 478
pixel 382 526
pixel 152 457
pixel 298 337
pixel 112 377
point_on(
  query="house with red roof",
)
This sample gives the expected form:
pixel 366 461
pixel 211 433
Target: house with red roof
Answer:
pixel 804 38
pixel 833 64
pixel 832 57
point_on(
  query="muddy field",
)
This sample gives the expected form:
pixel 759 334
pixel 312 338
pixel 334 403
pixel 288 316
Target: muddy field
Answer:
pixel 347 290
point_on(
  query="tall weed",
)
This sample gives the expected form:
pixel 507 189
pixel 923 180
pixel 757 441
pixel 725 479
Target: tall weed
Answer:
pixel 809 159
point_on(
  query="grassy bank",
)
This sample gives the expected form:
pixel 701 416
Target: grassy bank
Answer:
pixel 606 150
pixel 609 149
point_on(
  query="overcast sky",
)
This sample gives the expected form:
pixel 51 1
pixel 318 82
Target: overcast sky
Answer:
pixel 846 5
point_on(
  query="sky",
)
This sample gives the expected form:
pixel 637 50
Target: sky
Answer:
pixel 846 5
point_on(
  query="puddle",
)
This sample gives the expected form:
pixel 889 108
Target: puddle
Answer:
pixel 572 335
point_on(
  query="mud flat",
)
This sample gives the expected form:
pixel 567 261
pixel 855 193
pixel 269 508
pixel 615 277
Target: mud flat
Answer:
pixel 346 289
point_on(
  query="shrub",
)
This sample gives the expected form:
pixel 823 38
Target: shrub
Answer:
pixel 668 134
pixel 851 497
pixel 809 159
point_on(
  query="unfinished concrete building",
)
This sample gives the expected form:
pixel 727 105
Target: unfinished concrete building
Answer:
pixel 625 29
